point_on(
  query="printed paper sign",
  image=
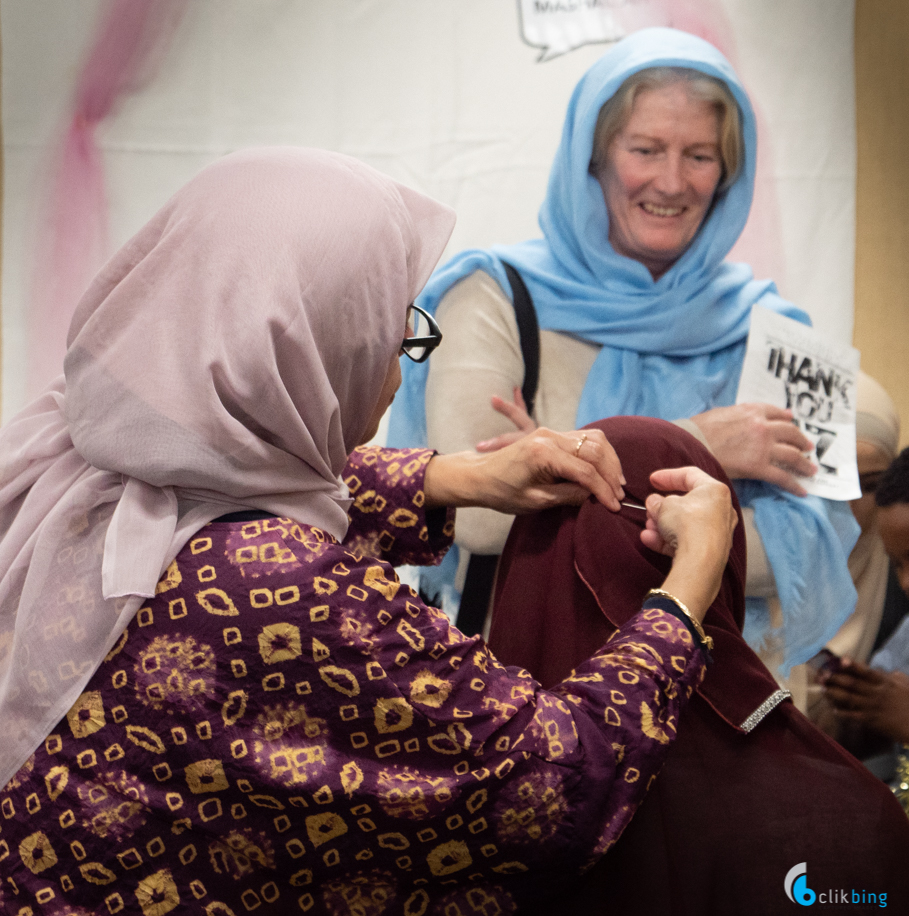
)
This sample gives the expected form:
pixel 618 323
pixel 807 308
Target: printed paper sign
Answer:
pixel 790 365
pixel 559 26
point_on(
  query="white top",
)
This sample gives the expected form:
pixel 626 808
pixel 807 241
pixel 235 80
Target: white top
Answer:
pixel 480 357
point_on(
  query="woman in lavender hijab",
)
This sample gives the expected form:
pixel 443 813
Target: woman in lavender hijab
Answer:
pixel 215 693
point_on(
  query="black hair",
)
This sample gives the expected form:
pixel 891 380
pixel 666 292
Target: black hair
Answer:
pixel 894 485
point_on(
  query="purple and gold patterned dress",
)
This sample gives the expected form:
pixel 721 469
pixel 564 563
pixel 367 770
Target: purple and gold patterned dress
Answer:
pixel 285 728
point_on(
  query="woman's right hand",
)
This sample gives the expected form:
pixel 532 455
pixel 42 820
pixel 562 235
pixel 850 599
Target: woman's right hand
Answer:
pixel 750 441
pixel 695 529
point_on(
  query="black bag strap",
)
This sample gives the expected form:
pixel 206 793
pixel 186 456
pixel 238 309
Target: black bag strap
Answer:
pixel 481 568
pixel 528 334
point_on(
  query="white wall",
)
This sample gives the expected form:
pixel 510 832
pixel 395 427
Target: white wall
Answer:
pixel 441 94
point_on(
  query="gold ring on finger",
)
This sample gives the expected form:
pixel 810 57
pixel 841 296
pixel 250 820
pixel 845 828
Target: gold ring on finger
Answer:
pixel 581 441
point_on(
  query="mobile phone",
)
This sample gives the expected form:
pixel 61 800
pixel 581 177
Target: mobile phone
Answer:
pixel 826 662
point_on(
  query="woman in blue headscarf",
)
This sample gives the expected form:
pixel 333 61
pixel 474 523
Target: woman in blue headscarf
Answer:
pixel 639 313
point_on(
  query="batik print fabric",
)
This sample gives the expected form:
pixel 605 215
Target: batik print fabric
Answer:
pixel 286 728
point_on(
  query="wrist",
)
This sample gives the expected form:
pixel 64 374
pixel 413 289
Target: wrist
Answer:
pixel 695 580
pixel 449 480
pixel 705 557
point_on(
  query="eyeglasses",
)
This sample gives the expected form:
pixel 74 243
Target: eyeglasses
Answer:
pixel 423 334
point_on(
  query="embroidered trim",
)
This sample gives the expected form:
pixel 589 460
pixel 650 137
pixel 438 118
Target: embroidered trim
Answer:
pixel 769 704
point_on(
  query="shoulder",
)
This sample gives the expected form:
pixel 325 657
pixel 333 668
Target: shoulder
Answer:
pixel 476 295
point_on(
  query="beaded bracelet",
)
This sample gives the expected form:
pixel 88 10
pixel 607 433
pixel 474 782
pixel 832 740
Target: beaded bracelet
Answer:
pixel 706 641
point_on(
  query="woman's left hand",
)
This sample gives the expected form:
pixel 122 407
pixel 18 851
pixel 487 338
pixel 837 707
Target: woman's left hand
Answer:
pixel 758 442
pixel 541 470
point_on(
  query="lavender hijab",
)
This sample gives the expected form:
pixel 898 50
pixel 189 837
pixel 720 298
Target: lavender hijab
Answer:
pixel 230 355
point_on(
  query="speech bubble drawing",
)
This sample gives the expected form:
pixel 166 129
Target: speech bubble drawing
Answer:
pixel 559 26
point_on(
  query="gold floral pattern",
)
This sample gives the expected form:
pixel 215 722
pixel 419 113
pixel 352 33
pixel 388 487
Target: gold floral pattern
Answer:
pixel 285 727
pixel 174 671
pixel 364 895
pixel 37 853
pixel 157 894
pixel 429 689
pixel 410 794
pixel 86 715
pixel 532 809
pixel 279 642
pixel 293 749
pixel 115 804
pixel 476 901
pixel 241 853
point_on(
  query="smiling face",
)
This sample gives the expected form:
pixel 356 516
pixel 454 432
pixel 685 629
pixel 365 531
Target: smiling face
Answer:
pixel 660 174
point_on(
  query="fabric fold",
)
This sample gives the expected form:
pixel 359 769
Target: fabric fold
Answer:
pixel 149 513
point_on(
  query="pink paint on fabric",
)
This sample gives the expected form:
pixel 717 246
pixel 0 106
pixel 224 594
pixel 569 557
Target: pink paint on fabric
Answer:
pixel 132 37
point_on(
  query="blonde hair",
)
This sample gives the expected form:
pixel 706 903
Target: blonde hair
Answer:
pixel 615 113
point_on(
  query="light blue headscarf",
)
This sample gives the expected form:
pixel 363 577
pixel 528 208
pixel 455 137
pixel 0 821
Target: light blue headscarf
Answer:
pixel 671 348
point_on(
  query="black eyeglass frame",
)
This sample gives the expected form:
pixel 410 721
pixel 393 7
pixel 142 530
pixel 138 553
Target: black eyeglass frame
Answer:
pixel 428 344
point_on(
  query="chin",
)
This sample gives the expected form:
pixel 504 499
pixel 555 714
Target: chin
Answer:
pixel 665 255
pixel 368 435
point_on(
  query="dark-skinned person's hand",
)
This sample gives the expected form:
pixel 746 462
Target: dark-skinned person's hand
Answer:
pixel 876 699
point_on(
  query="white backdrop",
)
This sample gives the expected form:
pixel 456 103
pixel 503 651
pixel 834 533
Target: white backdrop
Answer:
pixel 441 94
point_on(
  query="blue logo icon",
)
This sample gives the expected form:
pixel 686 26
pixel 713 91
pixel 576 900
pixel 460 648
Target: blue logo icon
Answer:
pixel 796 885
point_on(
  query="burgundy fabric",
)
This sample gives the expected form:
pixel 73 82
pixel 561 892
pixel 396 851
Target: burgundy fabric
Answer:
pixel 572 564
pixel 732 812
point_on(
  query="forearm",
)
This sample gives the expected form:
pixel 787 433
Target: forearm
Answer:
pixel 646 674
pixel 452 480
pixel 389 518
pixel 759 582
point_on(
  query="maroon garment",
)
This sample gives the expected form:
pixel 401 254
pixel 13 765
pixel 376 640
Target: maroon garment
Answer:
pixel 286 728
pixel 750 788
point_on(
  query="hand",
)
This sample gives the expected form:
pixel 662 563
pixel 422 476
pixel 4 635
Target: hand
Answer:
pixel 695 529
pixel 877 699
pixel 758 442
pixel 517 413
pixel 541 470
